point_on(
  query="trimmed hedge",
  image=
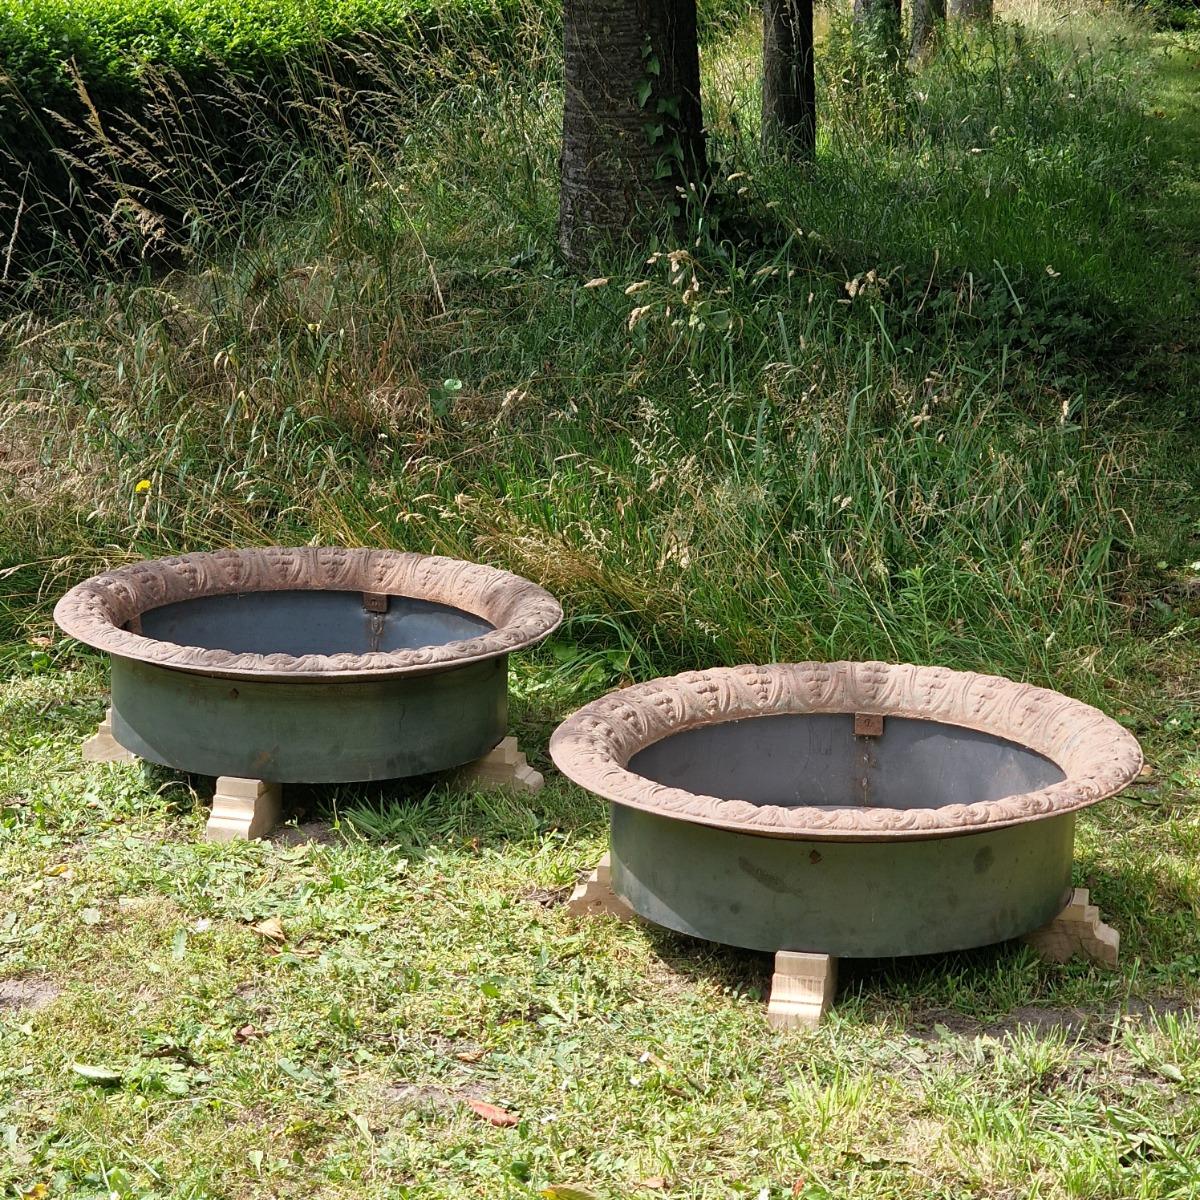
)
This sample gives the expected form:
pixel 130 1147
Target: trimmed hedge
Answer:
pixel 68 65
pixel 109 41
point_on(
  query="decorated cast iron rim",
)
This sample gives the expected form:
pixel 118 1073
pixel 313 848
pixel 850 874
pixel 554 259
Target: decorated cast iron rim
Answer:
pixel 1098 757
pixel 100 611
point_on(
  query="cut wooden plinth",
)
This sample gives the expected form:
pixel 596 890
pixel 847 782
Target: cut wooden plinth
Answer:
pixel 802 989
pixel 594 895
pixel 243 809
pixel 503 767
pixel 103 747
pixel 1077 932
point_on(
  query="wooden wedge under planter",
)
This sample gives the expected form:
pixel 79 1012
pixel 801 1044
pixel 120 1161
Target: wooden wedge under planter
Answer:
pixel 270 666
pixel 826 810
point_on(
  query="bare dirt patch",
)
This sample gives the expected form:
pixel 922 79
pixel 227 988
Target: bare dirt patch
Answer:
pixel 427 1095
pixel 27 995
pixel 547 897
pixel 320 833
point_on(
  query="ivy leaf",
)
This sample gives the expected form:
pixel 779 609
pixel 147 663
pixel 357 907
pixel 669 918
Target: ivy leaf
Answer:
pixel 643 92
pixel 564 652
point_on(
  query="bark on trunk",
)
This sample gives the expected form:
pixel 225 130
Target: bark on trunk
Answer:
pixel 928 17
pixel 972 10
pixel 633 131
pixel 789 99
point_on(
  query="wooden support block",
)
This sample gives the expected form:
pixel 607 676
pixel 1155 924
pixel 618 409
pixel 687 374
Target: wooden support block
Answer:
pixel 595 895
pixel 103 747
pixel 504 767
pixel 243 809
pixel 801 989
pixel 1077 931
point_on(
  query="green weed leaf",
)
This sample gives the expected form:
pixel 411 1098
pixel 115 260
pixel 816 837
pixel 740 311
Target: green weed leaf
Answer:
pixel 105 1076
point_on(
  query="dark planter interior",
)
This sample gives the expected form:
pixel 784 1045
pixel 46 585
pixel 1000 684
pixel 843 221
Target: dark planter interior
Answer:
pixel 308 622
pixel 816 759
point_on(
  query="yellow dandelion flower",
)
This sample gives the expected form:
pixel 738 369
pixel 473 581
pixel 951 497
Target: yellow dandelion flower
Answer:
pixel 142 486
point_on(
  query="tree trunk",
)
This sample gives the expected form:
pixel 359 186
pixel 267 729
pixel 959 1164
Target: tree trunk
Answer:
pixel 633 132
pixel 928 16
pixel 879 22
pixel 789 93
pixel 972 10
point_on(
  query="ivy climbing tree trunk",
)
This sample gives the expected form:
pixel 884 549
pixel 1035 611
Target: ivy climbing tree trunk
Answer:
pixel 972 10
pixel 633 131
pixel 878 22
pixel 928 17
pixel 789 93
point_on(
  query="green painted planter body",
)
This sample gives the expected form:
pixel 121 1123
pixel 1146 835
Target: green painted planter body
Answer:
pixel 849 899
pixel 310 731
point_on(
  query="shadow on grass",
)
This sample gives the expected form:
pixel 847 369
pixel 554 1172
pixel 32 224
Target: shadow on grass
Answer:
pixel 415 814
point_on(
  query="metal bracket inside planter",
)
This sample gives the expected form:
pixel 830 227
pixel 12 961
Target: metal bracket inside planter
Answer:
pixel 868 724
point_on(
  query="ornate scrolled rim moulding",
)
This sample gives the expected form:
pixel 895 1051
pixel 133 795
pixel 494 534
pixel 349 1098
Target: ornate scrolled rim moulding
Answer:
pixel 97 610
pixel 1098 756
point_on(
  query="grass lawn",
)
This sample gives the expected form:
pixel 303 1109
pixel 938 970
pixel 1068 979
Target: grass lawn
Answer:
pixel 947 414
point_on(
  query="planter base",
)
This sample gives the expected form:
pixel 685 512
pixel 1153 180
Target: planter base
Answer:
pixel 244 808
pixel 103 747
pixel 1077 932
pixel 504 767
pixel 802 989
pixel 594 895
pixel 803 984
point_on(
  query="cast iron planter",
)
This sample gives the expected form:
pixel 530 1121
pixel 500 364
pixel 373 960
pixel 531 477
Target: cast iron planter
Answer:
pixel 308 665
pixel 849 809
